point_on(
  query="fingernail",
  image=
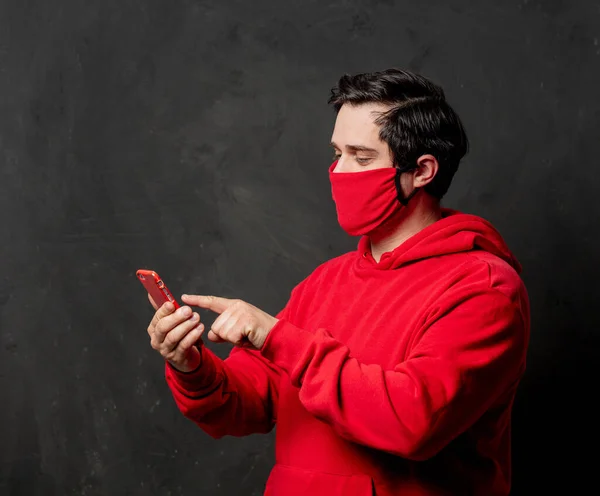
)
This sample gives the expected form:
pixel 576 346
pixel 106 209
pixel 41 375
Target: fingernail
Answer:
pixel 186 311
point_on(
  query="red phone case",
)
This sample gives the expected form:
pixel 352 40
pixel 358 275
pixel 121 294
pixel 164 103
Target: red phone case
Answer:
pixel 156 287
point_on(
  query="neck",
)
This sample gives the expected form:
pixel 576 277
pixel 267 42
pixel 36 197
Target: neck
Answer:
pixel 422 211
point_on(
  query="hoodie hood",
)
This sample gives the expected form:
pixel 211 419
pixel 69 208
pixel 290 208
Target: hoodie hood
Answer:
pixel 455 232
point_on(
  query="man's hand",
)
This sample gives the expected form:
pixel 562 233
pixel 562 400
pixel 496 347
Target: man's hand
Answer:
pixel 174 335
pixel 238 322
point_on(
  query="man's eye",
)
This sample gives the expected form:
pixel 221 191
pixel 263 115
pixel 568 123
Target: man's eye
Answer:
pixel 336 156
pixel 362 160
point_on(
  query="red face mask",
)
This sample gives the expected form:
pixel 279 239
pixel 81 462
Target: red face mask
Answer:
pixel 365 200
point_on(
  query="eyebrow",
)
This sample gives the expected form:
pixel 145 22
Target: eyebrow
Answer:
pixel 356 148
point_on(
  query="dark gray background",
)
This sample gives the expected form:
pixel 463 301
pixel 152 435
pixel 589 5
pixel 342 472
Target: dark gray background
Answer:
pixel 192 138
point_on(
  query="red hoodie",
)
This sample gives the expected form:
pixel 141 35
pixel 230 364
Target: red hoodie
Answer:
pixel 389 378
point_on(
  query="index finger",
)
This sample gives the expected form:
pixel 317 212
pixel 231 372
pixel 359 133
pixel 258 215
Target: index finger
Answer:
pixel 166 309
pixel 215 303
pixel 152 302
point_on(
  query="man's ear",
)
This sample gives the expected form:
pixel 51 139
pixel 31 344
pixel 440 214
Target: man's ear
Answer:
pixel 427 169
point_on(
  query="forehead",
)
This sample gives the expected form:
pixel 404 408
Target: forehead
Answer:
pixel 357 122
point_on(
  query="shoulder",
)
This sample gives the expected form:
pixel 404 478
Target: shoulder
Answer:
pixel 482 276
pixel 496 274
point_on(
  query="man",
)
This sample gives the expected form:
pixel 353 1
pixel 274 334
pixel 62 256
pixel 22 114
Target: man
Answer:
pixel 392 370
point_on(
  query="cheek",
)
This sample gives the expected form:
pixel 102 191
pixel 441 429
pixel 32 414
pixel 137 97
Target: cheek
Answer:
pixel 379 164
pixel 406 181
pixel 344 164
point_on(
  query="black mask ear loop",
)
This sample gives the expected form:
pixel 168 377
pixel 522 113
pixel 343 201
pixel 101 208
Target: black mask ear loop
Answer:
pixel 401 198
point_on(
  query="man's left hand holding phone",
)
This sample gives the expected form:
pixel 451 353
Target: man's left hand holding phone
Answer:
pixel 175 330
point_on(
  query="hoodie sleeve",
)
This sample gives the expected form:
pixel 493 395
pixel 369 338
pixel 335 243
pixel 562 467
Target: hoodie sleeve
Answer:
pixel 462 363
pixel 237 396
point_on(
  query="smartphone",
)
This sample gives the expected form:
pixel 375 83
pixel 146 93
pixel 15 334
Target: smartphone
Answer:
pixel 156 287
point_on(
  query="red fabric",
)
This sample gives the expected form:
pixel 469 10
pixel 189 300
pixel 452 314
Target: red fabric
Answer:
pixel 364 200
pixel 386 378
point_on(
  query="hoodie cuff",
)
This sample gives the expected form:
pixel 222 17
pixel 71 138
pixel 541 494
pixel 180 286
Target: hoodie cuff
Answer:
pixel 287 346
pixel 196 382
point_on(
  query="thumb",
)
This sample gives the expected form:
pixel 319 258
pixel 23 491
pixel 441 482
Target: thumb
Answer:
pixel 214 303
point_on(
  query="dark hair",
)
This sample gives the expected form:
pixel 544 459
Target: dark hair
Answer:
pixel 419 120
